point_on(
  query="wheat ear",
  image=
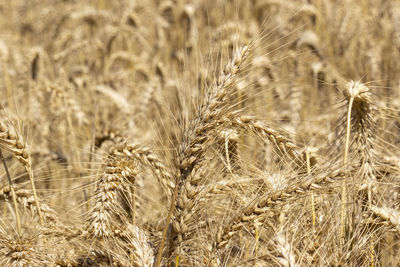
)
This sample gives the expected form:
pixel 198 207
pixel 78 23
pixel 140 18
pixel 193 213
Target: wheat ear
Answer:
pixel 257 210
pixel 26 199
pixel 195 137
pixel 111 183
pixel 287 258
pixel 361 123
pixel 14 143
pixel 282 143
pixel 147 158
pixel 392 216
pixel 138 242
pixel 19 251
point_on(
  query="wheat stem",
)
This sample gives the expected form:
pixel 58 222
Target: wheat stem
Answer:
pixel 344 190
pixel 313 215
pixel 165 229
pixel 31 178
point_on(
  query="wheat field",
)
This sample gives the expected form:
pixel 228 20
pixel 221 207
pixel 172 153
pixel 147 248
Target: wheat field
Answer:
pixel 200 133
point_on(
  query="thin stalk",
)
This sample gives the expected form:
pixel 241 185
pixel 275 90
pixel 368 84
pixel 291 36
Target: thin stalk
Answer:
pixel 228 162
pixel 8 84
pixel 372 252
pixel 39 211
pixel 164 234
pixel 346 150
pixel 133 214
pixel 346 153
pixel 313 214
pixel 257 238
pixel 133 204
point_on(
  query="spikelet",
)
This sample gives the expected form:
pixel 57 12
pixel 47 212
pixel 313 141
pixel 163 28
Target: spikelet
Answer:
pixel 14 143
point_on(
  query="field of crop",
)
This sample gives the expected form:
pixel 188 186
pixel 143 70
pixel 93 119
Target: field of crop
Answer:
pixel 199 133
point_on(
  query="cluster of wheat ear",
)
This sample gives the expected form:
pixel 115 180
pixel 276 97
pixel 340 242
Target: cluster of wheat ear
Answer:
pixel 199 133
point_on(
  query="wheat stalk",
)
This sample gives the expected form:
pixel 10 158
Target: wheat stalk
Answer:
pixel 361 122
